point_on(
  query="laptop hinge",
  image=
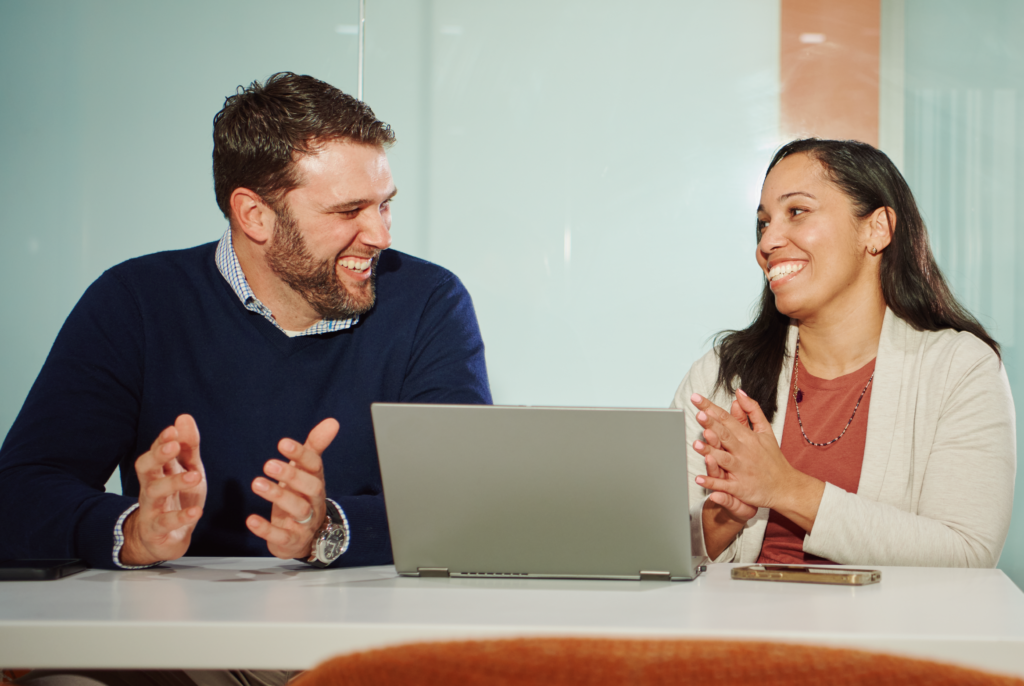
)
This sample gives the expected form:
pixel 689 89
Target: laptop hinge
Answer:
pixel 433 571
pixel 655 576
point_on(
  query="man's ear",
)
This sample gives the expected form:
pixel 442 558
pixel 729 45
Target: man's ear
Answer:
pixel 882 226
pixel 252 215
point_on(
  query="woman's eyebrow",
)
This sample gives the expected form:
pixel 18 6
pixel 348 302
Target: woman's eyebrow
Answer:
pixel 790 195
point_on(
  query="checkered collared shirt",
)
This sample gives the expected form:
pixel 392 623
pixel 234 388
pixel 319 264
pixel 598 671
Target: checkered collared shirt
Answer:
pixel 231 270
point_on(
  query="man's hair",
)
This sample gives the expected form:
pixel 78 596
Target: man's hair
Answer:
pixel 263 129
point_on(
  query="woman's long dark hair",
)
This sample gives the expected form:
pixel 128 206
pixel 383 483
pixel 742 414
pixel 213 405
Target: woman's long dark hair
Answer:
pixel 912 285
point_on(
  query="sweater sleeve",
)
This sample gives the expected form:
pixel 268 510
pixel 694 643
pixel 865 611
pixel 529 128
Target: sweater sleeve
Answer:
pixel 446 365
pixel 447 361
pixel 966 494
pixel 78 422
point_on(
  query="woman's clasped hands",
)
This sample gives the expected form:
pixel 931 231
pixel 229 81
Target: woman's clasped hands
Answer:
pixel 745 466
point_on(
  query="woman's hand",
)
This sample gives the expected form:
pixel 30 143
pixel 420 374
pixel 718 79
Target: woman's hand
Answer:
pixel 723 516
pixel 731 507
pixel 750 467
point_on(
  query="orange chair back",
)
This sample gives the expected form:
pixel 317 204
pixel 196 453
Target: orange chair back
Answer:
pixel 601 662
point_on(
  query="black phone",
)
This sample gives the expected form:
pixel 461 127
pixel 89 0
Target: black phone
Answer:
pixel 39 570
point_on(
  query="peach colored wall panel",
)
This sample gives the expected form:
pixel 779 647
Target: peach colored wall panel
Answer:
pixel 829 69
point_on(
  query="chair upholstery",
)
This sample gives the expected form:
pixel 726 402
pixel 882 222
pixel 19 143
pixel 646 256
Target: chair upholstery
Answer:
pixel 596 662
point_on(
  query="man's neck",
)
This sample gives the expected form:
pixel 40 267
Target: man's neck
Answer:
pixel 290 310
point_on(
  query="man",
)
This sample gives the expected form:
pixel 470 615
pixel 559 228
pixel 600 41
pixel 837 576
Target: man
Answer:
pixel 198 370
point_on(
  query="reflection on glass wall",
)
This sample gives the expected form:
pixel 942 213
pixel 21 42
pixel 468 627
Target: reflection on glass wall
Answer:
pixel 964 75
pixel 588 169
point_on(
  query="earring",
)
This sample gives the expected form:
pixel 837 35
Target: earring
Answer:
pixel 874 251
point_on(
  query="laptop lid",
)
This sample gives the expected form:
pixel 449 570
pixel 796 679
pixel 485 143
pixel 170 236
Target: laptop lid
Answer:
pixel 479 490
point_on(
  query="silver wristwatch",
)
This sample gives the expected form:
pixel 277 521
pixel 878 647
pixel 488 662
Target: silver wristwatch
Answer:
pixel 330 540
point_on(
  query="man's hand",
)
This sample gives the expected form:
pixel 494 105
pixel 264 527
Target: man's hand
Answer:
pixel 172 493
pixel 297 490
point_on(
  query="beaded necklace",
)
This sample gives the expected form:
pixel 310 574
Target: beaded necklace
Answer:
pixel 798 395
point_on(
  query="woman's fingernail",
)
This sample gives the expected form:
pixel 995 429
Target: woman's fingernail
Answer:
pixel 701 416
pixel 260 485
pixel 700 480
pixel 273 468
pixel 742 392
pixel 695 398
pixel 697 445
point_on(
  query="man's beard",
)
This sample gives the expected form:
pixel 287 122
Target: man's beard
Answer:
pixel 316 282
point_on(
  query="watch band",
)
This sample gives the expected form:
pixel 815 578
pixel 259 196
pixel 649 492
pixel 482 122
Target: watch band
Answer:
pixel 330 540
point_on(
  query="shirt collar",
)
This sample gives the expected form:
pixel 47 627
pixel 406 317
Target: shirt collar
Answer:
pixel 231 270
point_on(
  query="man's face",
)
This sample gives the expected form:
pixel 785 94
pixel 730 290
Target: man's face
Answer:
pixel 331 229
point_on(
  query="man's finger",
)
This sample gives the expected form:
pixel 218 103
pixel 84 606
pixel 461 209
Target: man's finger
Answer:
pixel 163 450
pixel 273 535
pixel 297 479
pixel 167 522
pixel 322 435
pixel 158 489
pixel 294 506
pixel 188 437
pixel 307 455
pixel 307 459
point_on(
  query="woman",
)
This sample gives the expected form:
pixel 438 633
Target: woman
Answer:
pixel 870 419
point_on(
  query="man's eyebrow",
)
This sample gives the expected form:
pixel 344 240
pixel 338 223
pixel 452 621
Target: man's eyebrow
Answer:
pixel 352 204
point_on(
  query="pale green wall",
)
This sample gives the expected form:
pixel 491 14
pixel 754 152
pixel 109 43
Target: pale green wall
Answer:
pixel 964 161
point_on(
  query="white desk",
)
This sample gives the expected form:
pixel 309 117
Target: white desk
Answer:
pixel 221 613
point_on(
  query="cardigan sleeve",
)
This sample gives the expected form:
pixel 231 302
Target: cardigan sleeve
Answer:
pixel 959 493
pixel 700 379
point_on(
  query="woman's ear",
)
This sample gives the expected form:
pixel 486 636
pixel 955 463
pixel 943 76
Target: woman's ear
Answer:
pixel 252 215
pixel 881 227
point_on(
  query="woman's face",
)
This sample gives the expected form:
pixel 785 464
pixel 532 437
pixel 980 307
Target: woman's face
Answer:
pixel 813 249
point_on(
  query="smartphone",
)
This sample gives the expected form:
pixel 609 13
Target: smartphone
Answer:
pixel 38 570
pixel 809 575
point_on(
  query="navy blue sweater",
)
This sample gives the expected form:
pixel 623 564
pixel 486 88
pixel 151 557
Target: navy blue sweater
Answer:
pixel 163 335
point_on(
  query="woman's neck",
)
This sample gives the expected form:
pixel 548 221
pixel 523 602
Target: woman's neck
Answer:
pixel 842 342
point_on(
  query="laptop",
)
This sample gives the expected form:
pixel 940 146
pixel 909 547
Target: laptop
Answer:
pixel 542 492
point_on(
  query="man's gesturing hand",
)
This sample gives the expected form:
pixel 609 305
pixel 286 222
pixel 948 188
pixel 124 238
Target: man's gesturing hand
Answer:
pixel 172 492
pixel 297 490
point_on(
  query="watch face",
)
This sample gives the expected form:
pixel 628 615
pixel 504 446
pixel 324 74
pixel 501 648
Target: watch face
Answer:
pixel 331 545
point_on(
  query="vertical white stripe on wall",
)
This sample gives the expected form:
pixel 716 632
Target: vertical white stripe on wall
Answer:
pixel 972 187
pixel 891 91
pixel 1004 213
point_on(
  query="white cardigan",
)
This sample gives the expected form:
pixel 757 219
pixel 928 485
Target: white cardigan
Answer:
pixel 936 486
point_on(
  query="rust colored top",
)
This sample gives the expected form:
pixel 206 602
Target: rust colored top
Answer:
pixel 825 407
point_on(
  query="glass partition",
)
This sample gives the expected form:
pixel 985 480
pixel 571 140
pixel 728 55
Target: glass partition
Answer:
pixel 589 169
